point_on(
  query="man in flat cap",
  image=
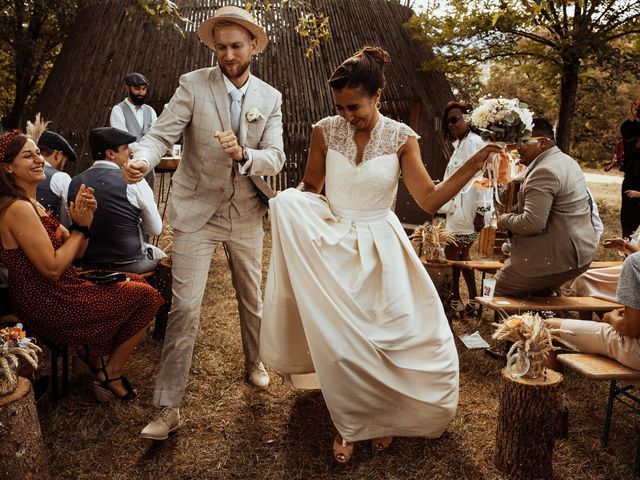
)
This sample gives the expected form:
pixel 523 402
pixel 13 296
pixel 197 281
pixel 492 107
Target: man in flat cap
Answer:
pixel 132 114
pixel 52 191
pixel 231 124
pixel 126 211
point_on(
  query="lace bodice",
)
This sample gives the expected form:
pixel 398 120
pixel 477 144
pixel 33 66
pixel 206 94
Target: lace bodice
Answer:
pixel 371 184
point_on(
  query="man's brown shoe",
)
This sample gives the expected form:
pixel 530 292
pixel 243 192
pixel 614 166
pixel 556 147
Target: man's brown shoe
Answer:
pixel 166 422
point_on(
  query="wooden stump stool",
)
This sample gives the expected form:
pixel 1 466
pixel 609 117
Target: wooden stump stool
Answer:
pixel 527 419
pixel 24 456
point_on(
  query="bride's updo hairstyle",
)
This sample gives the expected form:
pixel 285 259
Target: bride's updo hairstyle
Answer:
pixel 364 70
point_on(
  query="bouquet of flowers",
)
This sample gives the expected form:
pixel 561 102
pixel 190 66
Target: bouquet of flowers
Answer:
pixel 532 342
pixel 14 347
pixel 501 121
pixel 429 240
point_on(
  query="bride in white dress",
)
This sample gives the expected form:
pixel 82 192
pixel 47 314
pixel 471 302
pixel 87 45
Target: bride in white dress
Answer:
pixel 348 306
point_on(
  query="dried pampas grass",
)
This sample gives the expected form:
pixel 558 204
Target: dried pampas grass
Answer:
pixel 429 239
pixel 37 127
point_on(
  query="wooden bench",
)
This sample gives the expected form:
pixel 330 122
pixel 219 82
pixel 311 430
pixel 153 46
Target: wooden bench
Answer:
pixel 596 367
pixel 511 305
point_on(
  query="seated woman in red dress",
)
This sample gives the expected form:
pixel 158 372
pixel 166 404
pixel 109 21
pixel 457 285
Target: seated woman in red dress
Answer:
pixel 46 293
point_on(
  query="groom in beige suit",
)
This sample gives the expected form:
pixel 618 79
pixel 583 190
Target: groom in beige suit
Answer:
pixel 552 237
pixel 231 124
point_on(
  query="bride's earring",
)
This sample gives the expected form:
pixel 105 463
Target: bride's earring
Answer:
pixel 378 104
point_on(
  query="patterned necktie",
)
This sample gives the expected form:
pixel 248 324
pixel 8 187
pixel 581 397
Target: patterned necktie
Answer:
pixel 236 107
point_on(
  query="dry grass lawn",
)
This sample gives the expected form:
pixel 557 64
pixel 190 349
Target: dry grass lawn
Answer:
pixel 232 432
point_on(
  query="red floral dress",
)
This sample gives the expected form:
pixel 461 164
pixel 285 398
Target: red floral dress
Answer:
pixel 74 311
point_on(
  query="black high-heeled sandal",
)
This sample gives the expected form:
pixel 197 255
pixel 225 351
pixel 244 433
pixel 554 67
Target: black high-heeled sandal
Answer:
pixel 103 393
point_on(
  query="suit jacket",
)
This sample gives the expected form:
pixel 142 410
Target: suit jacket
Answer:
pixel 205 174
pixel 552 229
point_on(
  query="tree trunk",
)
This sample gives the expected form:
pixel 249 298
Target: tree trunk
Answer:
pixel 568 95
pixel 24 456
pixel 527 419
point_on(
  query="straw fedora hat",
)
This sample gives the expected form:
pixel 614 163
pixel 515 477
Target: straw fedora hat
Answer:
pixel 235 15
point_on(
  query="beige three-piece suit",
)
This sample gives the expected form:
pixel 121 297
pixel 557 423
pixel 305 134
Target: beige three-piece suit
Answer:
pixel 553 238
pixel 212 202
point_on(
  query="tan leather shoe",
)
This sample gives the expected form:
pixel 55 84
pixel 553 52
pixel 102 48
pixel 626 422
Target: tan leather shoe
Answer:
pixel 166 422
pixel 256 375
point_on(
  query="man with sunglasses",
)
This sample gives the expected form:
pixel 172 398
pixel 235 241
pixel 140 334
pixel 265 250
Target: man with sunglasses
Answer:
pixel 552 237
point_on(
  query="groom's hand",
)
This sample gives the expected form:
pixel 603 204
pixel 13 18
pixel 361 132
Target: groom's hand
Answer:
pixel 229 143
pixel 134 170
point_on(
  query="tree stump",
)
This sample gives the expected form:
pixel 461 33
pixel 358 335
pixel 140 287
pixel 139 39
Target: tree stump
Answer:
pixel 24 456
pixel 527 419
pixel 441 274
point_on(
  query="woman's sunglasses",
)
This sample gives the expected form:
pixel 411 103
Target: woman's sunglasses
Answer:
pixel 453 120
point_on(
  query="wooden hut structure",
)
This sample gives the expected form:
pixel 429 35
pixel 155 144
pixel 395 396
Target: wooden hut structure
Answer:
pixel 88 76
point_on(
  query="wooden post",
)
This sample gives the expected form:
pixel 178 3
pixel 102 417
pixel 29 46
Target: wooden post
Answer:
pixel 24 456
pixel 527 418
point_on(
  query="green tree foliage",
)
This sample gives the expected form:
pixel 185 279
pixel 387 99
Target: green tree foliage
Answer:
pixel 32 33
pixel 562 38
pixel 31 36
pixel 601 106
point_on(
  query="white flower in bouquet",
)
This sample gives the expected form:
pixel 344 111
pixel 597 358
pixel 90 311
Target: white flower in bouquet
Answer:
pixel 502 120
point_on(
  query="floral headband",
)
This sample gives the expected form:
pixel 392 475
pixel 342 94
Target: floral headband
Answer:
pixel 6 140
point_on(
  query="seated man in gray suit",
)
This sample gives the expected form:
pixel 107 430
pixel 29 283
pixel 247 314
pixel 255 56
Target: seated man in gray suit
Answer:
pixel 125 212
pixel 552 237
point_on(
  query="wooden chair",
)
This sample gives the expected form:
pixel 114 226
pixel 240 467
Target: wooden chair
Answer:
pixel 622 381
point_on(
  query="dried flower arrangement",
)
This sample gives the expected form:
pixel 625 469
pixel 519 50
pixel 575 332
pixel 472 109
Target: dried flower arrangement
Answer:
pixel 14 347
pixel 532 343
pixel 429 240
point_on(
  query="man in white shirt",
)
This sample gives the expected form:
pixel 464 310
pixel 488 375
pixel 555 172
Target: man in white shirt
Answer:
pixel 52 191
pixel 132 114
pixel 124 213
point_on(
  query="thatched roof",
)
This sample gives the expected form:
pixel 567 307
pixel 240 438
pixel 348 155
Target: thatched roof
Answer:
pixel 87 78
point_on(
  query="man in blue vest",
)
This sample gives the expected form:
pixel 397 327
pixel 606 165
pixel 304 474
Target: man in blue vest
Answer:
pixel 132 114
pixel 52 191
pixel 125 212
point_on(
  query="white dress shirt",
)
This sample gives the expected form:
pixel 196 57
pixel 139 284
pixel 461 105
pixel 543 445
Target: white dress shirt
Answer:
pixel 116 120
pixel 461 209
pixel 60 187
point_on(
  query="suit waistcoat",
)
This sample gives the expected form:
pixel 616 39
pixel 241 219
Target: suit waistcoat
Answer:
pixel 45 195
pixel 131 121
pixel 115 231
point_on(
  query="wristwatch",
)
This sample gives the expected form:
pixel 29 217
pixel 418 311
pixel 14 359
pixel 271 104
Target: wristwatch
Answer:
pixel 245 155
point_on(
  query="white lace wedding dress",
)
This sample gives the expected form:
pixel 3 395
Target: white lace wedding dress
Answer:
pixel 348 299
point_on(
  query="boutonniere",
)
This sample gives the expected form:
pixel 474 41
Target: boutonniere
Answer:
pixel 254 115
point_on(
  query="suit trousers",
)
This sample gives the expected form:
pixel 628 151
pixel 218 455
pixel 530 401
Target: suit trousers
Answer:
pixel 511 283
pixel 242 238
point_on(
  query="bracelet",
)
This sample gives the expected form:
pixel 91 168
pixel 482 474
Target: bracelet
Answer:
pixel 84 230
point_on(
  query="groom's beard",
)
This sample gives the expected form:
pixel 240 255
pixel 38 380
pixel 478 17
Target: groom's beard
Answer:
pixel 234 70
